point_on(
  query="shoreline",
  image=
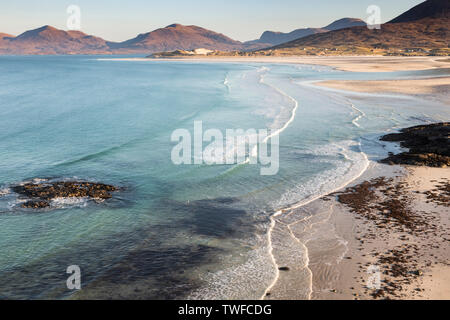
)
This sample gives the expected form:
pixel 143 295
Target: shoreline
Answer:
pixel 344 275
pixel 304 203
pixel 341 277
pixel 436 88
pixel 343 63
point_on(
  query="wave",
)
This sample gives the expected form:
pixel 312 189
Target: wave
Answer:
pixel 4 191
pixel 276 130
pixel 62 203
pixel 97 155
pixel 226 83
pixel 282 93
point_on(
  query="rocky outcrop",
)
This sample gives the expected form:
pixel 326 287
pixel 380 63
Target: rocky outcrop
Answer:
pixel 429 145
pixel 40 194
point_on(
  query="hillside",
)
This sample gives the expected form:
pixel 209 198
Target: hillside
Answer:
pixel 425 28
pixel 427 9
pixel 49 40
pixel 177 37
pixel 345 23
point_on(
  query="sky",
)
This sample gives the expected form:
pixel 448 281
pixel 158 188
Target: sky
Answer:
pixel 243 20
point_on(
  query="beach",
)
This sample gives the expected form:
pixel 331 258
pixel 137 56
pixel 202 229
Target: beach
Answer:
pixel 214 232
pixel 347 250
pixel 351 254
pixel 433 88
pixel 407 264
pixel 344 63
pixel 327 249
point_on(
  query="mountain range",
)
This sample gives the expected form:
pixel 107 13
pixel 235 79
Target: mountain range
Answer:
pixel 49 40
pixel 424 27
pixel 275 38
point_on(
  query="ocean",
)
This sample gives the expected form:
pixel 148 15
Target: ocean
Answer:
pixel 173 231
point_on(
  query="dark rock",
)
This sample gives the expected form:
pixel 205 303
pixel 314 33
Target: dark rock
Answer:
pixel 429 145
pixel 35 204
pixel 283 268
pixel 378 294
pixel 40 194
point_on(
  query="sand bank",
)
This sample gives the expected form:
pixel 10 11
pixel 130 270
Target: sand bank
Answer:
pixel 439 87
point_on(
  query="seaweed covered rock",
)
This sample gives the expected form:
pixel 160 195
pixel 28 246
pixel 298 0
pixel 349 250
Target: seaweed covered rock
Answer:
pixel 429 145
pixel 39 194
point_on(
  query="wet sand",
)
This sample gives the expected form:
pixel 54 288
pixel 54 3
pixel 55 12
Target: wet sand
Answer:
pixel 348 246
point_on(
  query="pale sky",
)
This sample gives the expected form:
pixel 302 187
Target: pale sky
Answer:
pixel 242 20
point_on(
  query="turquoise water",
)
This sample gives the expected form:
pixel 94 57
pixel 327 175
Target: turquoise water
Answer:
pixel 171 227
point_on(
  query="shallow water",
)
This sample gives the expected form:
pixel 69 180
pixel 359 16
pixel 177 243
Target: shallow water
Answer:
pixel 193 231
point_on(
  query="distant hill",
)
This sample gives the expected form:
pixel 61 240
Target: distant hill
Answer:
pixel 423 29
pixel 425 26
pixel 177 37
pixel 275 38
pixel 49 40
pixel 428 9
pixel 345 23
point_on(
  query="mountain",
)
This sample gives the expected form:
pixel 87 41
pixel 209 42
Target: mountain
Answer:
pixel 275 38
pixel 345 23
pixel 429 9
pixel 423 28
pixel 177 37
pixel 49 40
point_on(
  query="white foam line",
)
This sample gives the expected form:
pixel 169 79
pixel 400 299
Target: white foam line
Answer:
pixel 254 152
pixel 270 247
pixel 226 83
pixel 296 206
pixel 311 83
pixel 361 114
pixel 291 119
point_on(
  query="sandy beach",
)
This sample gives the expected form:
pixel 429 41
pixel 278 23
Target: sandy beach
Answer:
pixel 435 88
pixel 344 63
pixel 409 259
pixel 354 254
pixel 351 250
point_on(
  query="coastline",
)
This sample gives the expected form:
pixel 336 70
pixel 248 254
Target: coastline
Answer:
pixel 349 242
pixel 437 88
pixel 347 276
pixel 343 63
pixel 342 247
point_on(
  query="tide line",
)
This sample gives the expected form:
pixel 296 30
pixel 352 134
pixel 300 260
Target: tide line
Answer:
pixel 298 205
